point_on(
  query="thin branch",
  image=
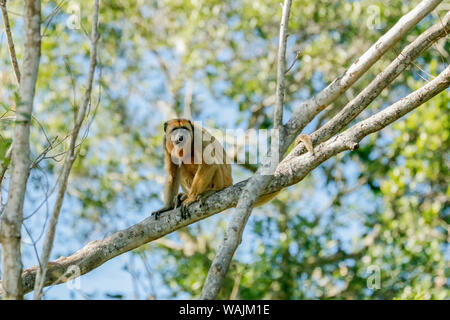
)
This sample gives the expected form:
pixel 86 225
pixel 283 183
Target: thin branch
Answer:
pixel 50 17
pixel 20 160
pixel 98 252
pixel 297 55
pixel 70 158
pixel 382 80
pixel 281 65
pixel 11 48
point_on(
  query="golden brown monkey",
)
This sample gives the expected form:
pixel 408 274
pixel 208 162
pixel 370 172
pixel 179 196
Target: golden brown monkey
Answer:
pixel 197 162
pixel 198 166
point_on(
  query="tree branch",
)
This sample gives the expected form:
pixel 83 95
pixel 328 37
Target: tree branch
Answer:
pixel 20 160
pixel 69 159
pixel 11 48
pixel 349 139
pixel 310 108
pixel 382 80
pixel 281 65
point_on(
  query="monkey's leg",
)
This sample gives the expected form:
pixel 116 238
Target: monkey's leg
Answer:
pixel 172 186
pixel 202 182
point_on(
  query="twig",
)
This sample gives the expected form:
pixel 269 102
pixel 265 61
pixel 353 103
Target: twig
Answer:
pixel 310 108
pixel 12 50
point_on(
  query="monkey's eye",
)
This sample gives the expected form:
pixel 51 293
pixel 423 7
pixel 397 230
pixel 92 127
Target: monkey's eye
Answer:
pixel 179 136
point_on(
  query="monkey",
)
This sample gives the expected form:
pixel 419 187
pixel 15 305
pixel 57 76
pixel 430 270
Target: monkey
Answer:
pixel 199 169
pixel 198 166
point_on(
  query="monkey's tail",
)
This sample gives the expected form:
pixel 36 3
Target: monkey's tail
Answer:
pixel 306 139
pixel 265 198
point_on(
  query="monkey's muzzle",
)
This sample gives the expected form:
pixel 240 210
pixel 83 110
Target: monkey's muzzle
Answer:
pixel 181 139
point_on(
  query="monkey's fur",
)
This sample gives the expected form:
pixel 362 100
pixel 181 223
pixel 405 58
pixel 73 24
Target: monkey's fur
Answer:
pixel 199 171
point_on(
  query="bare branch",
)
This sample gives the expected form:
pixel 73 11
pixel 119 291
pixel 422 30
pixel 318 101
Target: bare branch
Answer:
pixel 69 159
pixel 382 80
pixel 11 48
pixel 349 139
pixel 310 108
pixel 297 55
pixel 3 167
pixel 20 160
pixel 281 65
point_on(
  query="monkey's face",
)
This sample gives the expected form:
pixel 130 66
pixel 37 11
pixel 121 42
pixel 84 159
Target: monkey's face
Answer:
pixel 179 133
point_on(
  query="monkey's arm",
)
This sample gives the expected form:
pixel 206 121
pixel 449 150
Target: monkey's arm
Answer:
pixel 171 200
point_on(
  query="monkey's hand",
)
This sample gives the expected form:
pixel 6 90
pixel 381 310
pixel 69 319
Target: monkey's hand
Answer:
pixel 179 199
pixel 184 208
pixel 191 199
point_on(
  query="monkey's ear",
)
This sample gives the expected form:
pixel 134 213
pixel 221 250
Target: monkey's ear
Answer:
pixel 165 126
